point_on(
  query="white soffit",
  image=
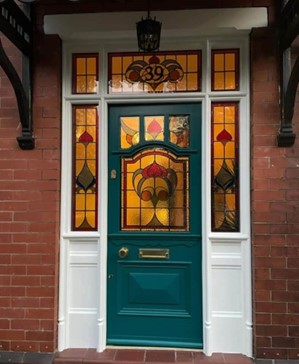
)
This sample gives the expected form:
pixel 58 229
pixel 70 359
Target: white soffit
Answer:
pixel 175 23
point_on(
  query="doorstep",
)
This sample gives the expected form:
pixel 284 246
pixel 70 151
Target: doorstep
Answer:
pixel 145 356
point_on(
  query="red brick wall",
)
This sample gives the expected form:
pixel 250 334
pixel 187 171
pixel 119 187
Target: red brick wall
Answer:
pixel 29 204
pixel 29 209
pixel 275 211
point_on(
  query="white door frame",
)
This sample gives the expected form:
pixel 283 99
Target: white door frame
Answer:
pixel 83 258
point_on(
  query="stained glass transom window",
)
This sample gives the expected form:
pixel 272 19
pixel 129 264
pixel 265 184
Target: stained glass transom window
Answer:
pixel 155 192
pixel 225 70
pixel 225 159
pixel 85 73
pixel 154 129
pixel 85 159
pixel 161 72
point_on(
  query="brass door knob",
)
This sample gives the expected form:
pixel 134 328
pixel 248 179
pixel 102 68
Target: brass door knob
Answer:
pixel 123 252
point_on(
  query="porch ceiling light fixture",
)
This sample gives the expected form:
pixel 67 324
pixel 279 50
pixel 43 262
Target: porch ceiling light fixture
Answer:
pixel 148 34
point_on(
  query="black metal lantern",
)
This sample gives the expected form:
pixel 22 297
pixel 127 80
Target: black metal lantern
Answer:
pixel 148 34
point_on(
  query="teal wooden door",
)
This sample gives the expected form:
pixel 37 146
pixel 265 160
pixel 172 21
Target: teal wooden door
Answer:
pixel 154 226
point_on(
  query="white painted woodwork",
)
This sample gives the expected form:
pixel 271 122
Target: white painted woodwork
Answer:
pixel 226 262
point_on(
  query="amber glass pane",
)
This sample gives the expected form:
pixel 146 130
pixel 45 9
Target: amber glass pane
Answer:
pixel 129 131
pixel 155 192
pixel 162 72
pixel 154 128
pixel 85 157
pixel 225 159
pixel 179 129
pixel 225 70
pixel 85 73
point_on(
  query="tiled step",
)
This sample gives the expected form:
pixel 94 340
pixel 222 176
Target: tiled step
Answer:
pixel 142 356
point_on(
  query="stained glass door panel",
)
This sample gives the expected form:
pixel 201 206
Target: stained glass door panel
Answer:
pixel 154 225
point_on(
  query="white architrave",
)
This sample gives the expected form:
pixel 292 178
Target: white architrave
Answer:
pixel 226 256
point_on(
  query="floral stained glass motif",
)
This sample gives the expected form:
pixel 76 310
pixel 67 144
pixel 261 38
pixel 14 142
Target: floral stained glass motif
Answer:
pixel 154 128
pixel 225 159
pixel 162 72
pixel 225 70
pixel 155 192
pixel 178 127
pixel 85 73
pixel 85 157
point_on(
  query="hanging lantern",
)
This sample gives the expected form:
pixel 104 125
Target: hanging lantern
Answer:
pixel 148 34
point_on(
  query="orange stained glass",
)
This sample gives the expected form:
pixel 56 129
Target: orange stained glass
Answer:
pixel 129 131
pixel 155 195
pixel 154 128
pixel 85 73
pixel 225 160
pixel 85 159
pixel 161 72
pixel 225 70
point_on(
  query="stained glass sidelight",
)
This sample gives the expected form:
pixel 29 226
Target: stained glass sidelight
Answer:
pixel 162 72
pixel 225 159
pixel 155 192
pixel 85 73
pixel 225 70
pixel 85 159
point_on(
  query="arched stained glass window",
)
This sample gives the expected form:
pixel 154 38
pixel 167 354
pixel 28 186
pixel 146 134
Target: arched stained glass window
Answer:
pixel 155 192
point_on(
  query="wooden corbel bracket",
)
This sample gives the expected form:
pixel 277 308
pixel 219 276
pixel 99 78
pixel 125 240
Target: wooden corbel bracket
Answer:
pixel 17 27
pixel 289 29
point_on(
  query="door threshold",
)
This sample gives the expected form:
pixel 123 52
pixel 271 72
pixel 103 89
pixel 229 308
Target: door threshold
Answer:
pixel 148 348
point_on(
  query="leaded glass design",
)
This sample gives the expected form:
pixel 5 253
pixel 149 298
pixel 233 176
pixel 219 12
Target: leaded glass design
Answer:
pixel 154 128
pixel 225 159
pixel 155 192
pixel 162 72
pixel 85 160
pixel 129 131
pixel 179 128
pixel 225 70
pixel 85 73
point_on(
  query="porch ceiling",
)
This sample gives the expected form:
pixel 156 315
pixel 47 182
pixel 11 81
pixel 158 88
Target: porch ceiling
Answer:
pixel 185 23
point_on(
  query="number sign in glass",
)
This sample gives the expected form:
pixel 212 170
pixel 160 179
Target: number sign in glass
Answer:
pixel 160 72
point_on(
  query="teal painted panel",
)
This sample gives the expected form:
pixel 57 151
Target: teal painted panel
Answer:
pixel 156 301
pixel 154 288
